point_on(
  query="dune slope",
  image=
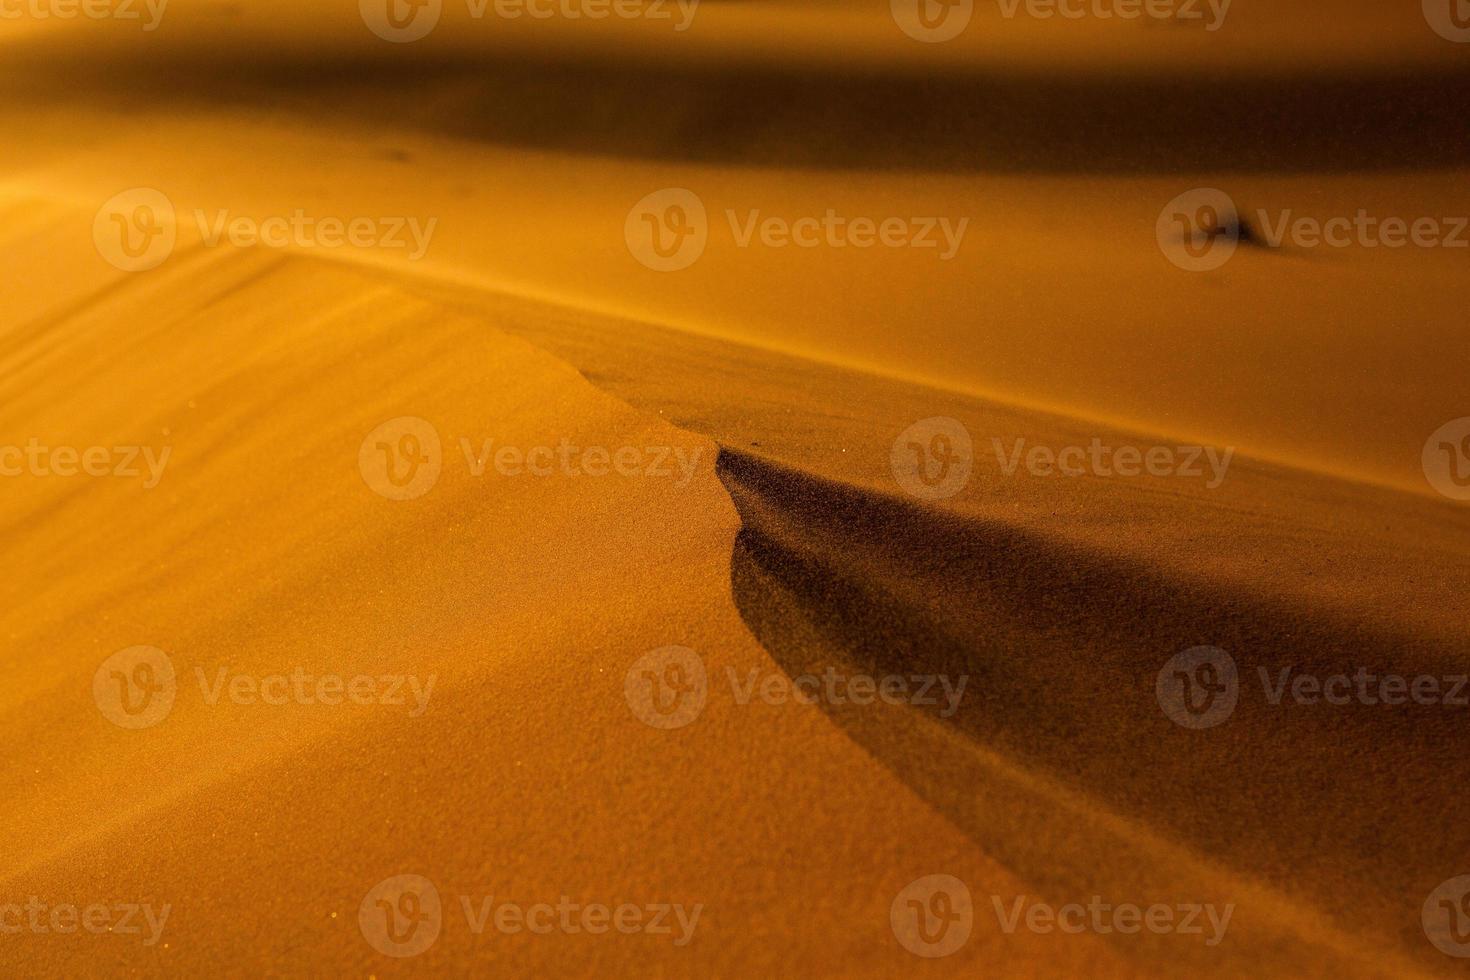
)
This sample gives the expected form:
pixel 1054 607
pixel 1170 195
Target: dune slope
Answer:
pixel 1059 778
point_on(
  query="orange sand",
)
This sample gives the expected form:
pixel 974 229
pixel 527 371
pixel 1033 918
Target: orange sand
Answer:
pixel 785 376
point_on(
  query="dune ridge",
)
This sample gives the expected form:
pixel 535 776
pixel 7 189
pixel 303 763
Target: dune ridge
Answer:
pixel 790 554
pixel 227 808
pixel 1216 349
pixel 1057 640
pixel 790 549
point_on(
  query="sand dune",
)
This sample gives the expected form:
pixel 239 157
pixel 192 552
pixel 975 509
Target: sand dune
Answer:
pixel 266 530
pixel 460 587
pixel 1060 626
pixel 1231 377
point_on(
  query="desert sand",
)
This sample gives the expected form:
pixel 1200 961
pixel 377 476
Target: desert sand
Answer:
pixel 786 547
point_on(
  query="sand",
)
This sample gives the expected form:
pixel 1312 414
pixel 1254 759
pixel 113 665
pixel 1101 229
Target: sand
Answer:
pixel 762 389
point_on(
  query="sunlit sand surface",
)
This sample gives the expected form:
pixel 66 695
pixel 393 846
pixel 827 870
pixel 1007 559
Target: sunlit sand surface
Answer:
pixel 779 543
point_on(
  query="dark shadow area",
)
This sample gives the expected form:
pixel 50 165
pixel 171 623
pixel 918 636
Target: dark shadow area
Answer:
pixel 785 116
pixel 1342 805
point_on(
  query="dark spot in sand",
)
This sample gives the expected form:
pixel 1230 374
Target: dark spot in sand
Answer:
pixel 1245 232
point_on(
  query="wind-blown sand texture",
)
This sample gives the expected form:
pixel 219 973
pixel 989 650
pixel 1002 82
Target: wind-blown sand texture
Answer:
pixel 782 377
